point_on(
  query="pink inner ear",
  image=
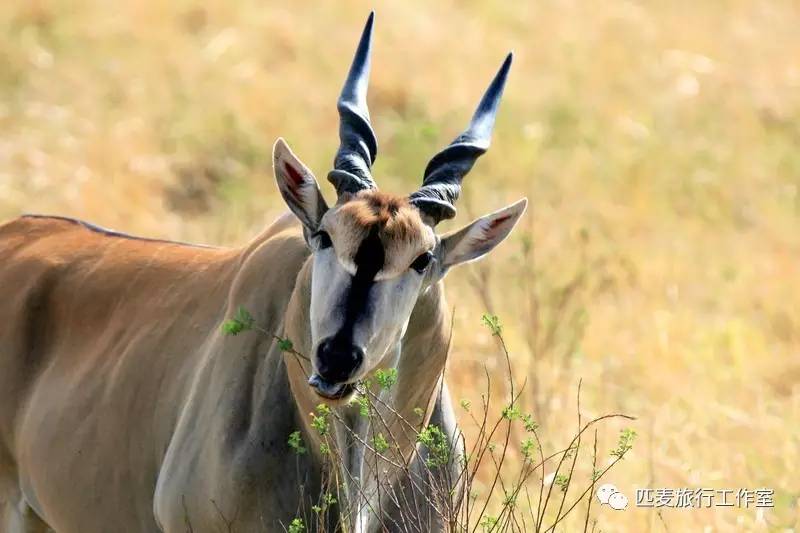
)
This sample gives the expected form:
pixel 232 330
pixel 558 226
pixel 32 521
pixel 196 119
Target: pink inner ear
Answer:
pixel 496 223
pixel 295 176
pixel 490 230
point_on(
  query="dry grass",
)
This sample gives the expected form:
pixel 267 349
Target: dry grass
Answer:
pixel 659 143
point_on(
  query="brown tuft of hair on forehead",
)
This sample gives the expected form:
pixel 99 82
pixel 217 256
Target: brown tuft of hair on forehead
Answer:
pixel 393 215
pixel 394 221
pixel 377 207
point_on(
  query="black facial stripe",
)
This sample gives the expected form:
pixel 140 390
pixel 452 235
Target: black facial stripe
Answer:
pixel 369 260
pixel 370 256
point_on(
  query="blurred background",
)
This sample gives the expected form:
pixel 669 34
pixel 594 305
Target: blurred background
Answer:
pixel 658 142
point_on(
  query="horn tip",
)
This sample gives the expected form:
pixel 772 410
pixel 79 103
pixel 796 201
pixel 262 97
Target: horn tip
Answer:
pixel 369 23
pixel 506 64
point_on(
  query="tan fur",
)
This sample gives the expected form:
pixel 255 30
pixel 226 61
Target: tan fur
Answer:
pixel 124 408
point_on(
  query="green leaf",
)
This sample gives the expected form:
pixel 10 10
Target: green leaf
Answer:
pixel 296 526
pixel 319 421
pixel 380 443
pixel 510 500
pixel 241 321
pixel 529 423
pixel 493 323
pixel 433 438
pixel 625 443
pixel 328 499
pixel 285 345
pixel 511 412
pixel 488 522
pixel 231 327
pixel 528 447
pixel 363 406
pixel 386 377
pixel 296 443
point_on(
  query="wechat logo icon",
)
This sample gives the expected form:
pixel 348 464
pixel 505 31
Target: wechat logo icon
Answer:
pixel 608 494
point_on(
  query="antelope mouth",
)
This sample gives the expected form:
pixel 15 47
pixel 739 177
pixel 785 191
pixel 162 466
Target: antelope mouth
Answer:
pixel 331 391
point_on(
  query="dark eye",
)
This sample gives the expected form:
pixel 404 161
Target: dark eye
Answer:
pixel 422 262
pixel 323 240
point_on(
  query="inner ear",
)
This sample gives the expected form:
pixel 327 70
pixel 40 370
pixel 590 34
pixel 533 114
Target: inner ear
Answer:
pixel 298 186
pixel 480 237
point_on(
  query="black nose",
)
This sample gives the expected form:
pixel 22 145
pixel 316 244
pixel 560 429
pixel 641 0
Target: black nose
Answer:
pixel 338 360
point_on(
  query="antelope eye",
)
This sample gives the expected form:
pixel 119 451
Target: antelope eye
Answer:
pixel 323 240
pixel 422 262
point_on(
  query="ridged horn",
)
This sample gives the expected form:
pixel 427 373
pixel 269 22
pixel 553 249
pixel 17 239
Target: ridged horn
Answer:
pixel 441 183
pixel 358 146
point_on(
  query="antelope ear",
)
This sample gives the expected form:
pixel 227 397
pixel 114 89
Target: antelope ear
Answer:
pixel 298 186
pixel 480 236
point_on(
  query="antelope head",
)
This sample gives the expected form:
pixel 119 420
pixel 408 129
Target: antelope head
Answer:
pixel 374 253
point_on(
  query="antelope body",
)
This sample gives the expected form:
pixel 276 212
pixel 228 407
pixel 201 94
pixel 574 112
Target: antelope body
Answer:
pixel 125 407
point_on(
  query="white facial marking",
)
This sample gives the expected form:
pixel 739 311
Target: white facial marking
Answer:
pixel 329 284
pixel 380 323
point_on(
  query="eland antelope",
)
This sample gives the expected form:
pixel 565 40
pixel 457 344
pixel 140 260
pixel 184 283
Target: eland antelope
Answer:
pixel 125 408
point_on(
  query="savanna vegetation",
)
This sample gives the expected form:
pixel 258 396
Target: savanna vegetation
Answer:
pixel 658 142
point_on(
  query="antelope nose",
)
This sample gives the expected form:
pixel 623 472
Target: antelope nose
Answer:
pixel 338 360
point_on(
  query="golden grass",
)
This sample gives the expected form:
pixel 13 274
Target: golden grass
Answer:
pixel 659 143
